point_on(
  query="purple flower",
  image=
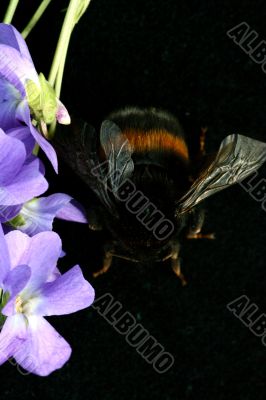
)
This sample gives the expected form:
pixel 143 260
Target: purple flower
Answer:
pixel 25 96
pixel 37 215
pixel 21 177
pixel 32 289
pixel 22 133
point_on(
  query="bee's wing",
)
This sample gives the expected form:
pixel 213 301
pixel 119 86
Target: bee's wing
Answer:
pixel 118 153
pixel 77 146
pixel 238 157
pixel 79 149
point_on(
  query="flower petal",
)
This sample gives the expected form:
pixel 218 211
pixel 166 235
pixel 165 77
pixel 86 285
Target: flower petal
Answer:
pixel 41 255
pixel 12 157
pixel 39 213
pixel 67 294
pixel 4 257
pixel 54 274
pixel 73 211
pixel 62 115
pixel 27 184
pixel 11 37
pixel 44 350
pixel 23 114
pixel 16 69
pixel 14 283
pixel 17 244
pixel 23 134
pixel 12 336
pixel 9 212
pixel 10 98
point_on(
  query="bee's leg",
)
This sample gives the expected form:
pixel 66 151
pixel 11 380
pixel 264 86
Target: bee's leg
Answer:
pixel 196 221
pixel 210 236
pixel 203 131
pixel 107 261
pixel 94 219
pixel 175 263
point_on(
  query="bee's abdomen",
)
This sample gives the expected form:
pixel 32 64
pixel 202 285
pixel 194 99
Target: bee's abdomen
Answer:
pixel 157 140
pixel 151 130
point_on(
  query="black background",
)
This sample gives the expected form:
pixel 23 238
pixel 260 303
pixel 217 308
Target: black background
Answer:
pixel 175 55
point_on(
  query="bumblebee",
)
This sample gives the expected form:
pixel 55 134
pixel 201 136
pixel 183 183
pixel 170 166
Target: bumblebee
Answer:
pixel 149 177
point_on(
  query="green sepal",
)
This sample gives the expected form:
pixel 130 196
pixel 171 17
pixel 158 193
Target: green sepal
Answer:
pixel 33 94
pixel 48 100
pixel 42 100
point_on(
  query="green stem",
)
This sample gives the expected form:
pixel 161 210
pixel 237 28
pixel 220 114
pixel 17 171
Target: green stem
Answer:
pixel 63 41
pixel 52 128
pixel 60 72
pixel 10 11
pixel 35 18
pixel 75 10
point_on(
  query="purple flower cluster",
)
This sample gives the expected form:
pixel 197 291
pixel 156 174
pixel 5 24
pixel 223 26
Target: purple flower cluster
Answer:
pixel 31 285
pixel 23 105
pixel 33 288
